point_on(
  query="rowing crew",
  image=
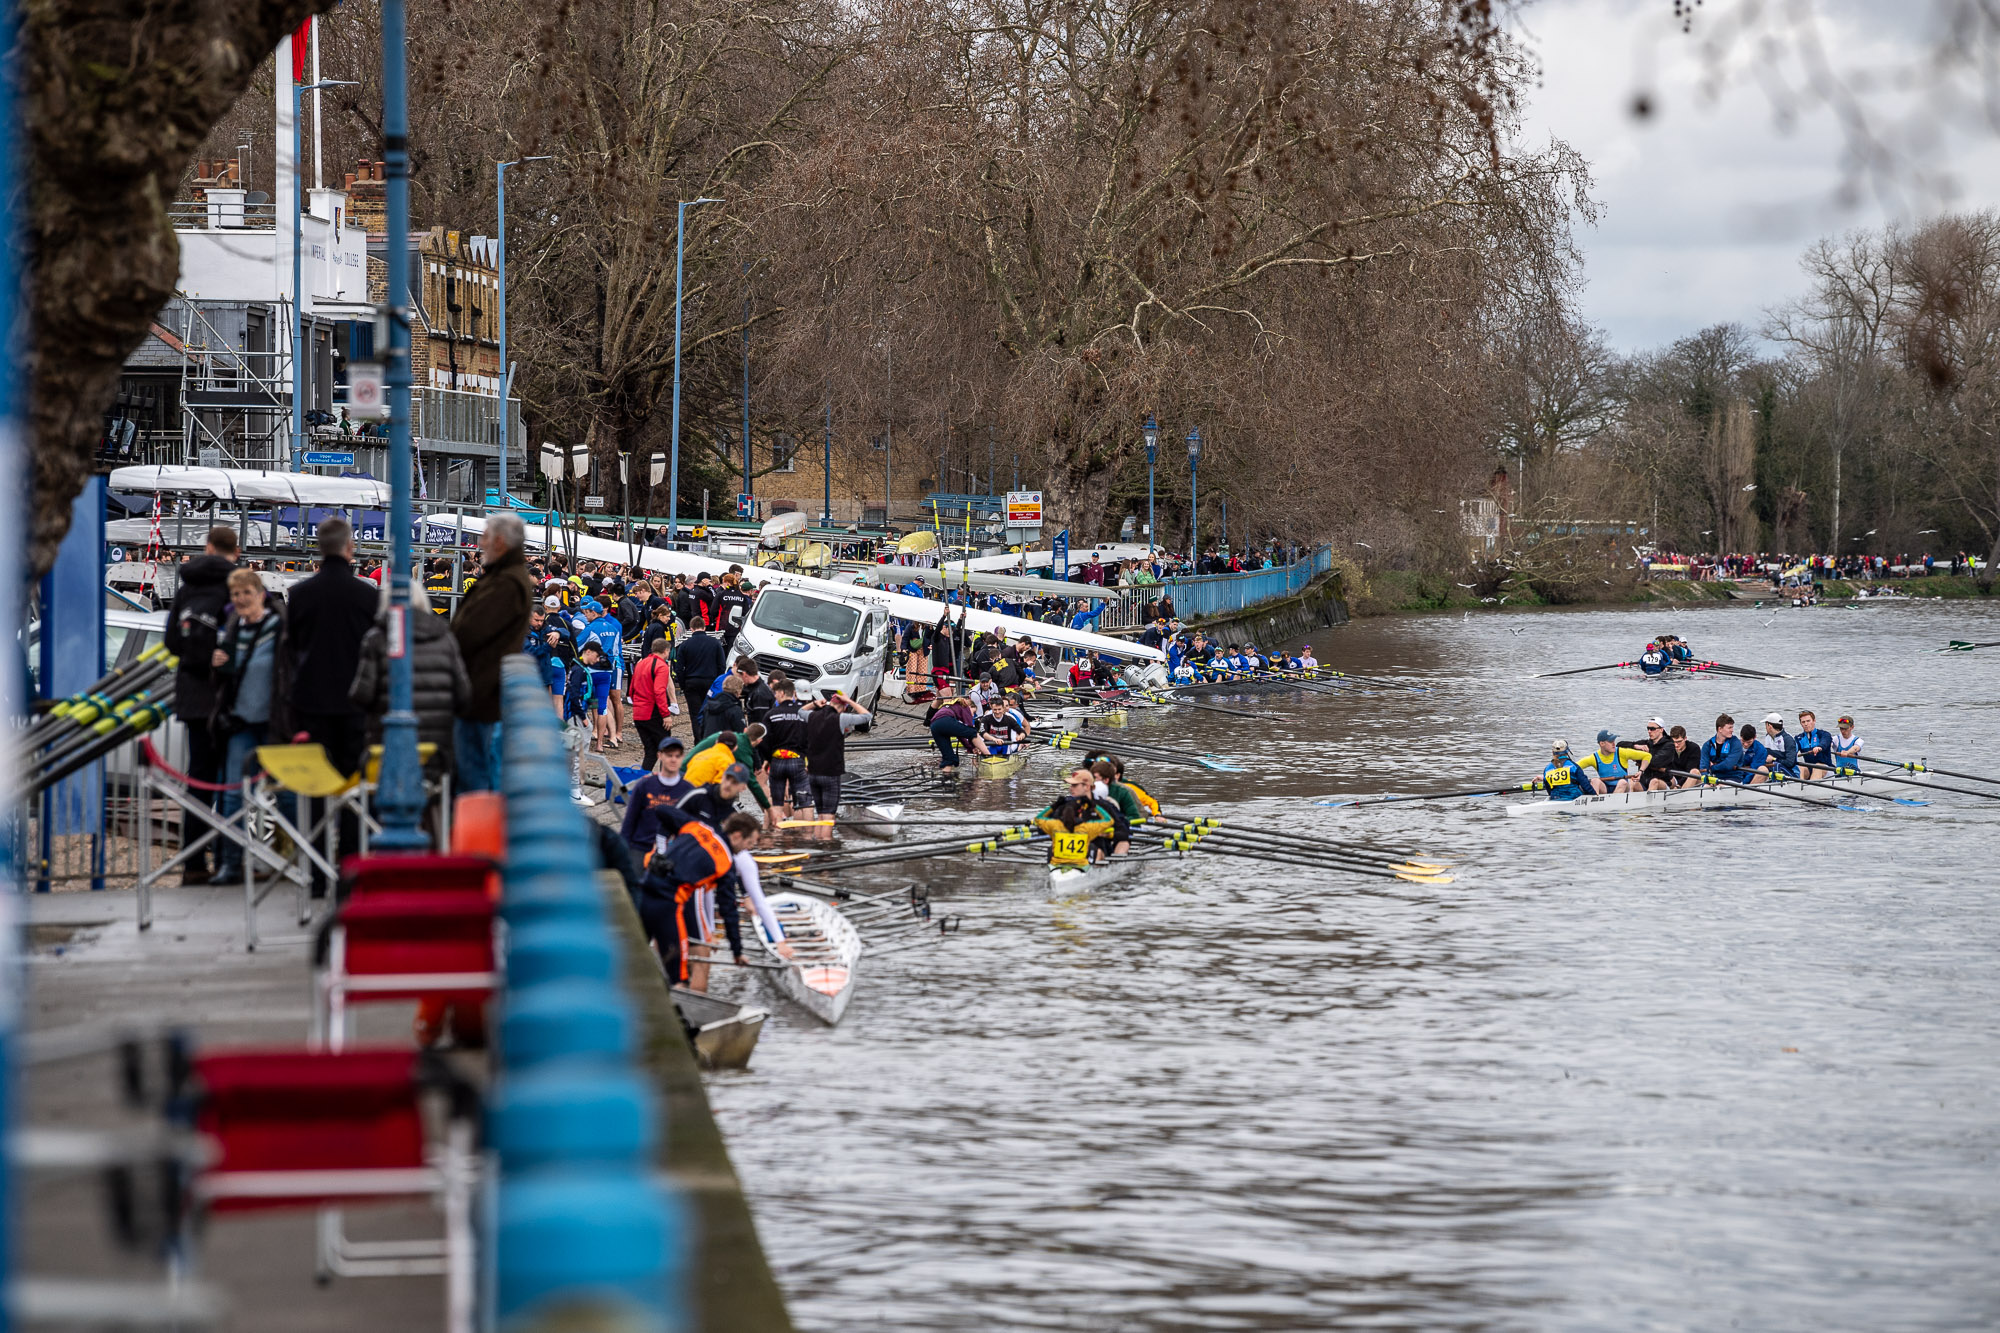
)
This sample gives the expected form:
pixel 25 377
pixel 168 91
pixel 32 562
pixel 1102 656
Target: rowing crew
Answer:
pixel 1737 754
pixel 1093 821
pixel 1199 660
pixel 1666 653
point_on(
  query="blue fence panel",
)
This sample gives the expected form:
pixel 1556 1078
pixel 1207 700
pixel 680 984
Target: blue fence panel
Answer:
pixel 1214 594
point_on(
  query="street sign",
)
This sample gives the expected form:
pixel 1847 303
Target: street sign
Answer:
pixel 367 392
pixel 746 505
pixel 211 456
pixel 1024 509
pixel 1061 549
pixel 329 458
pixel 593 502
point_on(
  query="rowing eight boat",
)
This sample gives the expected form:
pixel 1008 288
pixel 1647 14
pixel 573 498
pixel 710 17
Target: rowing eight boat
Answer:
pixel 1721 796
pixel 819 976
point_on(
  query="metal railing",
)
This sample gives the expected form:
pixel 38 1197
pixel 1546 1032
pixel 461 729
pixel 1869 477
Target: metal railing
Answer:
pixel 1206 595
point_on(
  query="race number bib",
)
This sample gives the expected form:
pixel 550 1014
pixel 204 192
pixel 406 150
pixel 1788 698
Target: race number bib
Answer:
pixel 1559 777
pixel 1069 849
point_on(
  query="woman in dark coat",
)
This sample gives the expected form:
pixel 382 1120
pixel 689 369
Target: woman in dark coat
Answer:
pixel 439 688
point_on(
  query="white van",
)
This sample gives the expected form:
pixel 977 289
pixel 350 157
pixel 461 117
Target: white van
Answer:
pixel 822 643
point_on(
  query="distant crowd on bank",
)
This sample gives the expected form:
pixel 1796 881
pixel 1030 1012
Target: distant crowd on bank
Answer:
pixel 1777 566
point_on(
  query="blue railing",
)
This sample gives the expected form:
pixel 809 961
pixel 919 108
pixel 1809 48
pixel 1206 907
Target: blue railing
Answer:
pixel 1215 594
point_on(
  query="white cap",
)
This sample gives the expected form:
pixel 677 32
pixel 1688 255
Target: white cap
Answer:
pixel 1774 720
pixel 1659 722
pixel 551 601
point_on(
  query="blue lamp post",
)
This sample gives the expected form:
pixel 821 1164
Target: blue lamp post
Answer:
pixel 1152 457
pixel 674 447
pixel 1194 495
pixel 399 799
pixel 299 90
pixel 826 497
pixel 506 371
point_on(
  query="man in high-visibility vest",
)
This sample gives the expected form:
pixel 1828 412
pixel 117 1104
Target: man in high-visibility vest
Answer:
pixel 679 894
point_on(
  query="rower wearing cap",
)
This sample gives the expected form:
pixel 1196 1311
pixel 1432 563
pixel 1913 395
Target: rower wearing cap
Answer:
pixel 1780 747
pixel 1815 747
pixel 1564 778
pixel 1610 759
pixel 1846 748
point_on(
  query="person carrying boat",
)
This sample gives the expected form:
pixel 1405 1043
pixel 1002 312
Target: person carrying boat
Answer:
pixel 694 861
pixel 1815 747
pixel 1611 762
pixel 954 722
pixel 1846 749
pixel 1564 779
pixel 1722 754
pixel 1781 749
pixel 1003 730
pixel 1081 828
pixel 1674 757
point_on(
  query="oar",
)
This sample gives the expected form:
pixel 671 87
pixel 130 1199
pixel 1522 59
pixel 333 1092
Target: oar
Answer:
pixel 1286 842
pixel 1748 671
pixel 1932 786
pixel 1767 787
pixel 1578 671
pixel 1429 796
pixel 1920 766
pixel 1312 858
pixel 1961 646
pixel 124 678
pixel 1288 838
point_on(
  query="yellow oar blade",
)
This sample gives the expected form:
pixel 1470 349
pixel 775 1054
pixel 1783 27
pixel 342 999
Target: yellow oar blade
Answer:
pixel 805 823
pixel 1423 879
pixel 768 858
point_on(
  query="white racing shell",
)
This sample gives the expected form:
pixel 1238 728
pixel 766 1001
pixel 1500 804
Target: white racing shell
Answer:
pixel 897 604
pixel 954 578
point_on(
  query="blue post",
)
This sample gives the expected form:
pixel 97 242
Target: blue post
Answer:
pixel 506 371
pixel 1194 494
pixel 826 499
pixel 14 525
pixel 674 437
pixel 1152 457
pixel 399 799
pixel 746 396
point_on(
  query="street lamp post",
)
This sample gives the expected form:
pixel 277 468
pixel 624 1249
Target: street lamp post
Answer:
pixel 674 448
pixel 399 799
pixel 299 90
pixel 506 371
pixel 1194 496
pixel 1152 457
pixel 826 476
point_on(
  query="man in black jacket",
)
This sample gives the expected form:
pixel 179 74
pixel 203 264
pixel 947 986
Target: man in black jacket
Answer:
pixel 200 601
pixel 757 696
pixel 332 613
pixel 697 660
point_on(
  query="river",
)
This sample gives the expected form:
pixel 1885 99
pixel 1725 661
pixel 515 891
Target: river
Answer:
pixel 1716 1070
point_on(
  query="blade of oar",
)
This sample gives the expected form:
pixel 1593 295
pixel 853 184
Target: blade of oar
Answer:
pixel 1578 671
pixel 1207 708
pixel 1749 671
pixel 1304 859
pixel 1921 766
pixel 1373 871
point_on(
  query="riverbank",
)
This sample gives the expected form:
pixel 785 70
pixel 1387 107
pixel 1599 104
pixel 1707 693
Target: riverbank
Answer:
pixel 1393 591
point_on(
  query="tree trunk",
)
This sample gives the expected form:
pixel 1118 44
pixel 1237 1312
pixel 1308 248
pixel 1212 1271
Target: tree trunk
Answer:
pixel 120 95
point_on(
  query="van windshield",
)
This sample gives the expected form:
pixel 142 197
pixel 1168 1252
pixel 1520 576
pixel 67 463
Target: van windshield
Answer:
pixel 807 617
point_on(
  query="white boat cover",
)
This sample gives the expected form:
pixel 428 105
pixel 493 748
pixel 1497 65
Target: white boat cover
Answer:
pixel 897 604
pixel 254 485
pixel 893 576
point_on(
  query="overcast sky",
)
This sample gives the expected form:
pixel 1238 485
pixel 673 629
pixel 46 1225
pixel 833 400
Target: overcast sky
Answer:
pixel 1707 205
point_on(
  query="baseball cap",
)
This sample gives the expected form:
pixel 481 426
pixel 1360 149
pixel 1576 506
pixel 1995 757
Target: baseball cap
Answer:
pixel 674 743
pixel 1659 722
pixel 551 601
pixel 1774 718
pixel 1559 746
pixel 1607 735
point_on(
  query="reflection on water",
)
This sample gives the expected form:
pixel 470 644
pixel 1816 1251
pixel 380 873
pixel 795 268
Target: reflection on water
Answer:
pixel 1732 1069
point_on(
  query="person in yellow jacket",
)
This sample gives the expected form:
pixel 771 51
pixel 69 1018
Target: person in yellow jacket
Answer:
pixel 1081 828
pixel 1609 762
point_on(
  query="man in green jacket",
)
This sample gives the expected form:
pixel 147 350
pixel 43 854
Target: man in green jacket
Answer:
pixel 713 756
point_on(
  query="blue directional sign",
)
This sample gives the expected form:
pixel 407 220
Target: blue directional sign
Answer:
pixel 329 458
